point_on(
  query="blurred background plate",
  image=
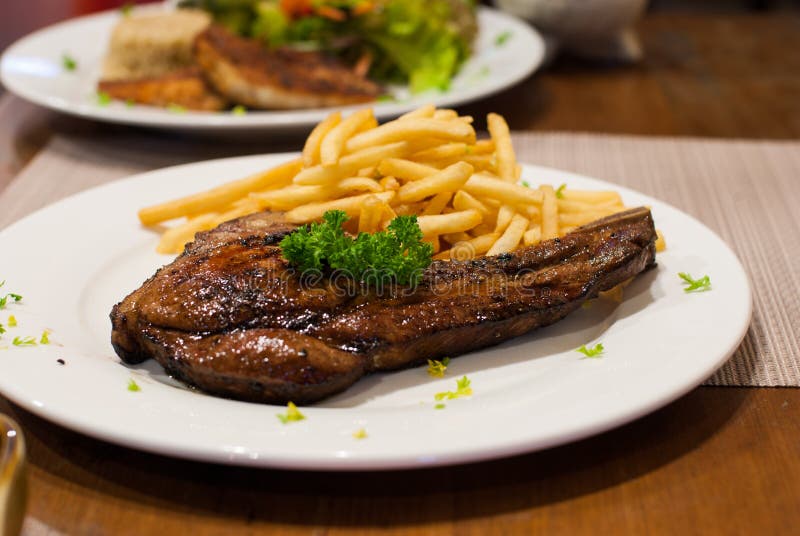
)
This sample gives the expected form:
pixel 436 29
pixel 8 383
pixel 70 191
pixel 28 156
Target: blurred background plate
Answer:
pixel 32 68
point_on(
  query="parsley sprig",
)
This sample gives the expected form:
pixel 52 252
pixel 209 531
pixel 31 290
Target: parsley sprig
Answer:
pixel 69 62
pixel 398 252
pixel 695 285
pixel 437 368
pixel 501 38
pixel 4 299
pixel 24 341
pixel 292 414
pixel 462 389
pixel 560 191
pixel 595 351
pixel 133 387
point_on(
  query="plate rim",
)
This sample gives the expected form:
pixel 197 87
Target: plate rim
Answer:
pixel 392 462
pixel 256 119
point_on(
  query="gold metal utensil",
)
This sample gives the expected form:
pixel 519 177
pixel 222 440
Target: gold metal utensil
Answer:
pixel 13 484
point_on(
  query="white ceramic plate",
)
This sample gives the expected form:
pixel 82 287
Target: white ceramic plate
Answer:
pixel 73 260
pixel 32 68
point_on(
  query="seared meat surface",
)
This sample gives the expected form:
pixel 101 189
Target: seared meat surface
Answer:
pixel 244 71
pixel 231 317
pixel 186 88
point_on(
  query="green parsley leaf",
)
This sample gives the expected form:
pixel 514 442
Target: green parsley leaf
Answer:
pixel 596 351
pixel 292 414
pixel 438 368
pixel 360 434
pixel 560 191
pixel 103 98
pixel 501 38
pixel 386 98
pixel 695 285
pixel 133 386
pixel 462 389
pixel 4 299
pixel 2 329
pixel 439 406
pixel 239 110
pixel 24 341
pixel 526 184
pixel 176 108
pixel 398 252
pixel 45 339
pixel 12 321
pixel 69 62
pixel 126 9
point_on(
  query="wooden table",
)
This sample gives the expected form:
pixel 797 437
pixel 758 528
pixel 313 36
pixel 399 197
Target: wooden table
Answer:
pixel 719 460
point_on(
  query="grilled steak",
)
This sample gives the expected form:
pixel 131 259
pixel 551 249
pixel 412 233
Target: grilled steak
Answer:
pixel 246 72
pixel 232 318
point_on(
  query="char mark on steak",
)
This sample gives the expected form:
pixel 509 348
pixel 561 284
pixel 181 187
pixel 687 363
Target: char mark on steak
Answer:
pixel 232 318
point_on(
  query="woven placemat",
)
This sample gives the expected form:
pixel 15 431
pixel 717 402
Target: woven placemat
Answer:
pixel 743 190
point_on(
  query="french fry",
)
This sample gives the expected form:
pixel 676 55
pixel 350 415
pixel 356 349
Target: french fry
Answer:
pixel 312 145
pixel 592 197
pixel 445 114
pixel 568 206
pixel 351 164
pixel 350 205
pixel 446 150
pixel 359 184
pixel 449 179
pixel 455 238
pixel 332 144
pixel 219 197
pixel 437 204
pixel 549 212
pixel 504 217
pixel 478 161
pixel 481 185
pixel 409 129
pixel 661 244
pixel 511 237
pixel 581 218
pixel 425 111
pixel 506 159
pixel 389 183
pixel 369 217
pixel 464 201
pixel 449 223
pixel 469 249
pixel 532 236
pixel 292 196
pixel 405 169
pixel 174 239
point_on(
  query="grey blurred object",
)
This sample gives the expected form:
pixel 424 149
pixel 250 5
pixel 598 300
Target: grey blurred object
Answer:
pixel 13 483
pixel 597 29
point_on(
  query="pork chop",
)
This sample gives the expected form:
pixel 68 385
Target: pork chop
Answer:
pixel 231 317
pixel 245 71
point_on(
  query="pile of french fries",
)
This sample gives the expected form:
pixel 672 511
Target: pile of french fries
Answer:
pixel 465 192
